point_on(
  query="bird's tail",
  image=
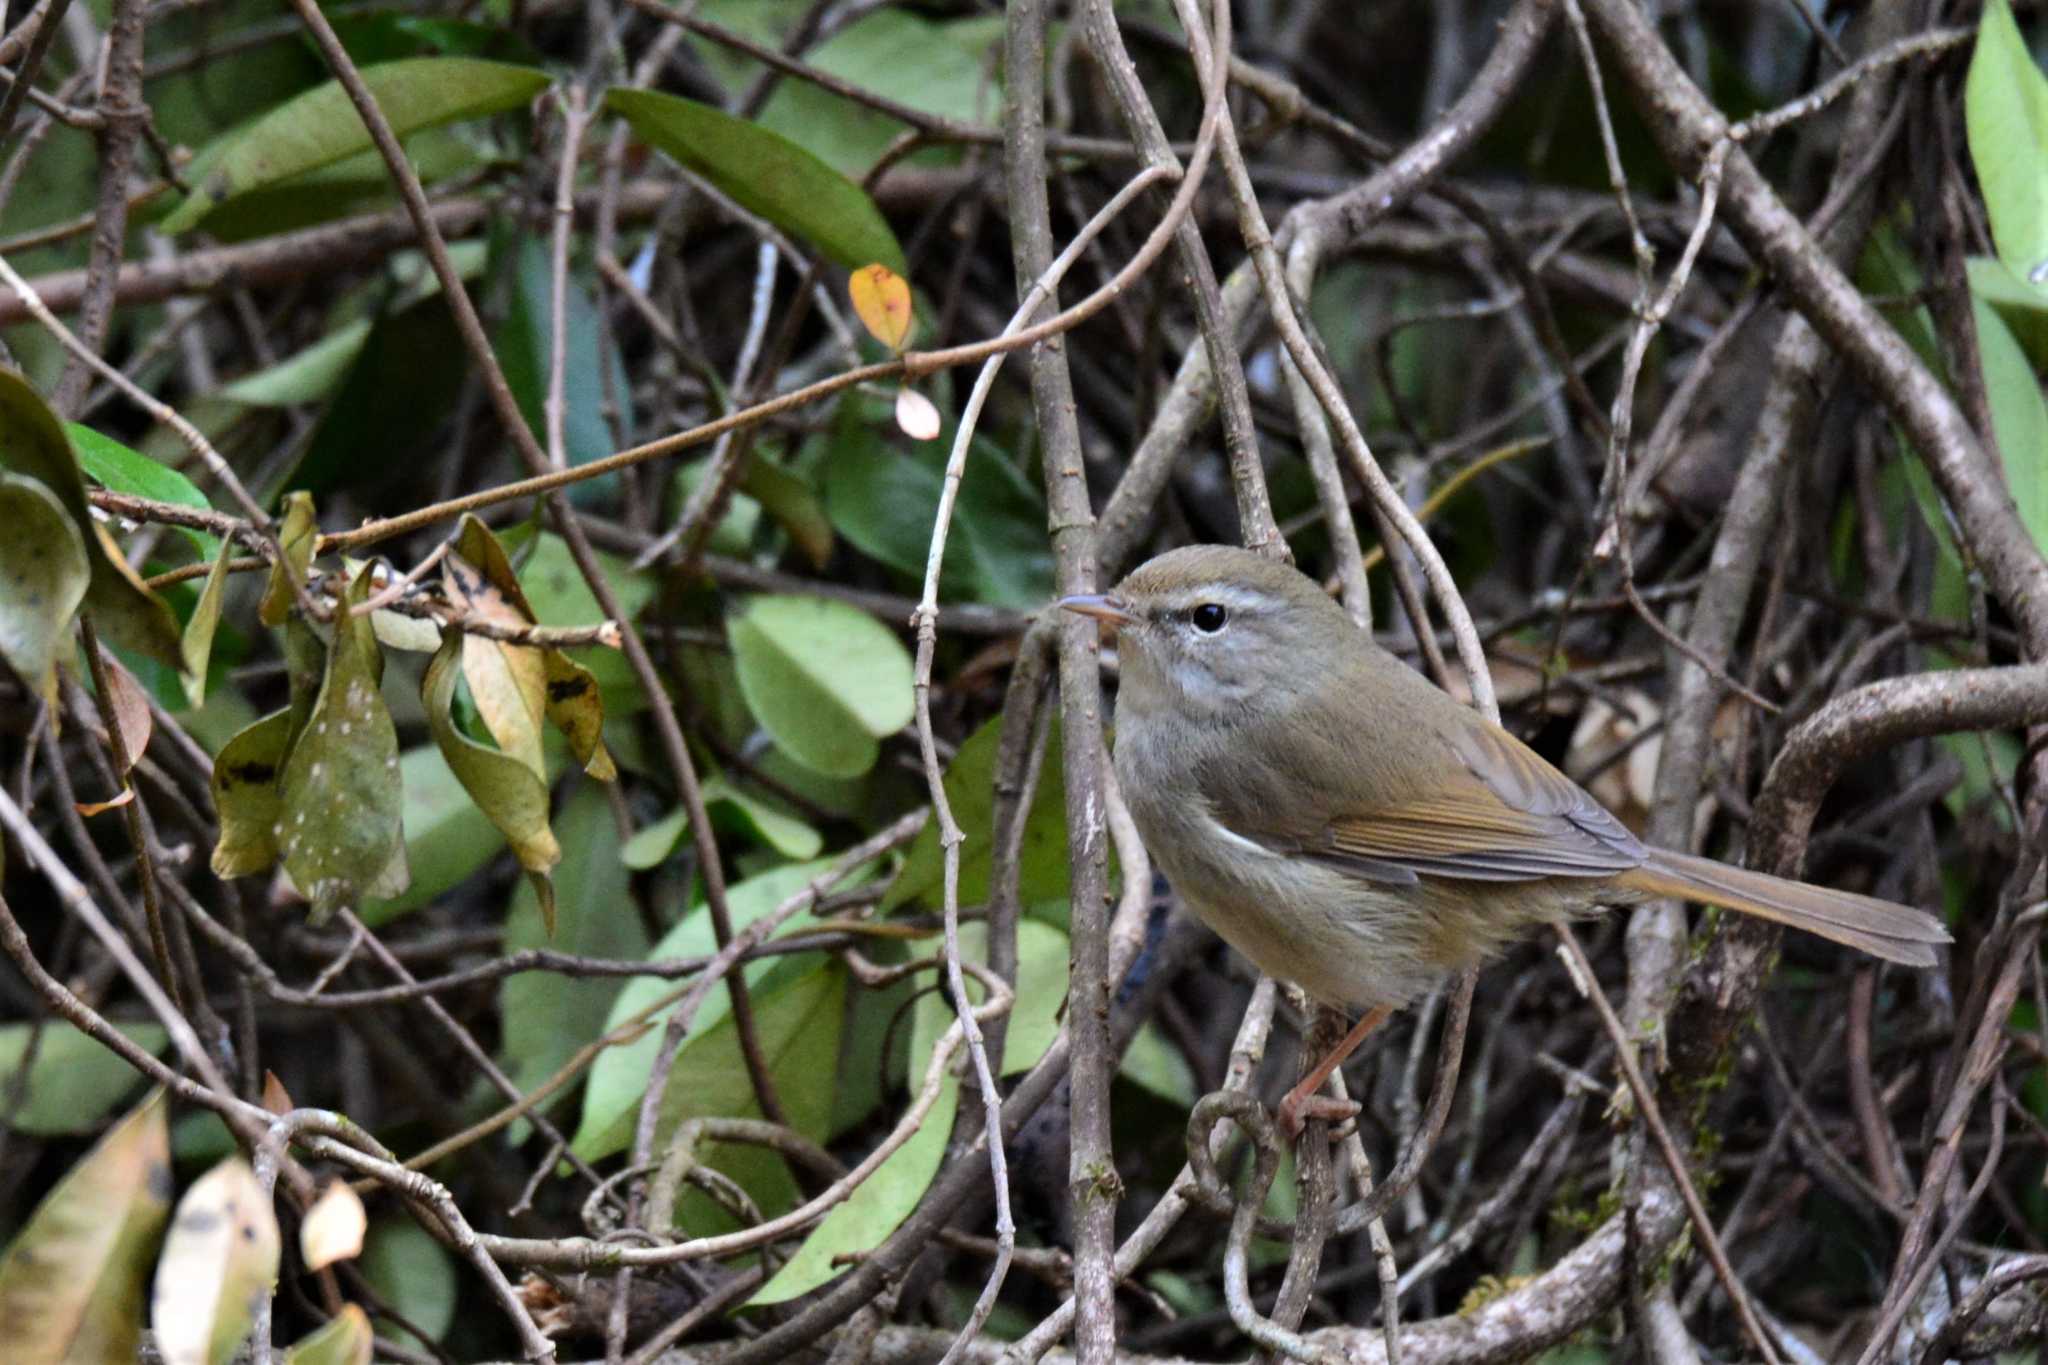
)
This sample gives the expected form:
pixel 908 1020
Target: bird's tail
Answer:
pixel 1880 928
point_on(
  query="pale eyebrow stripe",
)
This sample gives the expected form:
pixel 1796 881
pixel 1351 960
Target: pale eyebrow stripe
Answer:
pixel 1230 595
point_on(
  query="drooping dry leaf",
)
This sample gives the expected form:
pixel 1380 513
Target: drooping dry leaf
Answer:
pixel 577 709
pixel 131 711
pixel 512 794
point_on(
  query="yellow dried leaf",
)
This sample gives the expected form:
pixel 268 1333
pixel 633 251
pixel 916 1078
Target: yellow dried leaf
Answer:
pixel 881 299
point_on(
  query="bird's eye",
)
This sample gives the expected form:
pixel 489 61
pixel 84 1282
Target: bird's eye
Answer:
pixel 1209 617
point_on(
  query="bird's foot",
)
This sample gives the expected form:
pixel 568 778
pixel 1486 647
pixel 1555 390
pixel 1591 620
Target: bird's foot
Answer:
pixel 1298 1108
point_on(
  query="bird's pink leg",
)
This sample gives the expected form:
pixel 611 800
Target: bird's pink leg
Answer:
pixel 1303 1103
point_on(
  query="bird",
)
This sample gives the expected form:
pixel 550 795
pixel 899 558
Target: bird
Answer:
pixel 1348 826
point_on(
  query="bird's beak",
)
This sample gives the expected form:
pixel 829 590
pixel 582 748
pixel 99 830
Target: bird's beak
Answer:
pixel 1102 606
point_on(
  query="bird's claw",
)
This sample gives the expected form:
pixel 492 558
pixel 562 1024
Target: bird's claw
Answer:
pixel 1297 1109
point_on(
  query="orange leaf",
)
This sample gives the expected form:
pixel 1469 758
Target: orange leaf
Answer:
pixel 881 298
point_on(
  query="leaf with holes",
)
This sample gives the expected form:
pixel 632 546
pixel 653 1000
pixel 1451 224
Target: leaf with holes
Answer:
pixel 339 828
pixel 34 444
pixel 218 1261
pixel 825 679
pixel 72 1283
pixel 504 787
pixel 43 577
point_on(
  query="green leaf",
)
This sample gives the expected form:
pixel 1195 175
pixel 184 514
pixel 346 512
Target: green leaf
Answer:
pixel 2024 308
pixel 970 789
pixel 383 35
pixel 766 174
pixel 321 126
pixel 1041 989
pixel 874 52
pixel 505 788
pixel 866 1219
pixel 76 1080
pixel 523 343
pixel 1153 1064
pixel 731 811
pixel 825 679
pixel 413 1273
pixel 44 573
pixel 736 811
pixel 794 504
pixel 877 1207
pixel 307 376
pixel 73 1281
pixel 34 444
pixel 796 1010
pixel 547 1016
pixel 115 466
pixel 218 1262
pixel 2005 111
pixel 201 625
pixel 247 797
pixel 2018 417
pixel 619 1076
pixel 885 499
pixel 386 418
pixel 339 828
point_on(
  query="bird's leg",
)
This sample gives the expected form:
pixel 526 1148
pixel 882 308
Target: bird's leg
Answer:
pixel 1303 1103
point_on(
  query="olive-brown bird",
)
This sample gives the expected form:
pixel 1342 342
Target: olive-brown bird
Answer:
pixel 1350 827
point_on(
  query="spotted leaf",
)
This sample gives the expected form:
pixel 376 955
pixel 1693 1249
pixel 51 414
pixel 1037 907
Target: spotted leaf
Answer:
pixel 339 829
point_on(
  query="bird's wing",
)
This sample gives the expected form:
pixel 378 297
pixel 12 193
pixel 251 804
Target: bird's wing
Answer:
pixel 1497 812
